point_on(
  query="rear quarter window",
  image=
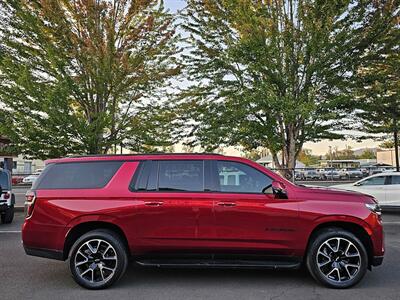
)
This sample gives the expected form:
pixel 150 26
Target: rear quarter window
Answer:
pixel 77 175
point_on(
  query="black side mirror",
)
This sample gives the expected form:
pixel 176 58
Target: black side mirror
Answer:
pixel 279 189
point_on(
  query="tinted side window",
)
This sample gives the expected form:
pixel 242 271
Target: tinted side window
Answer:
pixel 145 177
pixel 396 179
pixel 184 176
pixel 240 178
pixel 379 180
pixel 82 175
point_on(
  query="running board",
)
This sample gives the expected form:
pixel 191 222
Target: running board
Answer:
pixel 230 264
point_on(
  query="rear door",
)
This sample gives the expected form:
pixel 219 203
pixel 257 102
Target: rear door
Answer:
pixel 167 213
pixel 393 191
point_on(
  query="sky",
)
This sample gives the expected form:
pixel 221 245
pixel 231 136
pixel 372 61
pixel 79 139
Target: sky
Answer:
pixel 319 148
pixel 174 5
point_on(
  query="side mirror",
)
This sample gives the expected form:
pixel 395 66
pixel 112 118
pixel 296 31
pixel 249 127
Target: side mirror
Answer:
pixel 279 189
pixel 1 190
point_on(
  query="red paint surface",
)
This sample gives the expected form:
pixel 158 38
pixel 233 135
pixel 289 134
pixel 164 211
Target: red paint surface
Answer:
pixel 195 222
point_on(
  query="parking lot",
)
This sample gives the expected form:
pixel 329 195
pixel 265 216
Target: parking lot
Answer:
pixel 24 277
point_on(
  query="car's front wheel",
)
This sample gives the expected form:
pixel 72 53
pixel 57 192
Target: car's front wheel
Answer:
pixel 337 258
pixel 98 259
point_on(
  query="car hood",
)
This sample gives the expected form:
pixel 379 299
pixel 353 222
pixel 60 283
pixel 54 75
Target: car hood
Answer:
pixel 344 186
pixel 331 193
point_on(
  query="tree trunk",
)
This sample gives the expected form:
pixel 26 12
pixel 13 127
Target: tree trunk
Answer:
pixel 396 144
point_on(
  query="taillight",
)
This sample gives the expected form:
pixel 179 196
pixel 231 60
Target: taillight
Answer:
pixel 30 198
pixel 7 195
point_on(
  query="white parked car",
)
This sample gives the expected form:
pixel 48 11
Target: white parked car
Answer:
pixel 31 178
pixel 385 187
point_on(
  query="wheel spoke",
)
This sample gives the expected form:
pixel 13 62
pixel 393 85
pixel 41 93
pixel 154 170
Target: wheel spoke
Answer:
pixel 348 272
pixel 338 245
pixel 81 263
pixel 324 263
pixel 330 247
pixel 347 249
pixel 109 269
pixel 87 270
pixel 352 265
pixel 101 272
pixel 93 250
pixel 81 253
pixel 110 258
pixel 105 251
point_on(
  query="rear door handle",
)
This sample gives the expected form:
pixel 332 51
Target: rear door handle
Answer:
pixel 153 203
pixel 229 204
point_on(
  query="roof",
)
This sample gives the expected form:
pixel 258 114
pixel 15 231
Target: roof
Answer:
pixel 385 174
pixel 147 156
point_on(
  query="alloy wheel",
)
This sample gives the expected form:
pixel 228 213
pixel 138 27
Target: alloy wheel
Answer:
pixel 338 259
pixel 96 261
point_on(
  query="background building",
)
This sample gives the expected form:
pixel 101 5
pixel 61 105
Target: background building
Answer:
pixel 386 156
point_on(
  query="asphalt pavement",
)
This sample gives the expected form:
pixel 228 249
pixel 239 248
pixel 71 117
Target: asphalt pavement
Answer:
pixel 26 277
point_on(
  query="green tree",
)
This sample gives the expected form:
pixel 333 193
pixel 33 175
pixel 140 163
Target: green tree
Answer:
pixel 367 154
pixel 272 74
pixel 378 81
pixel 387 144
pixel 81 76
pixel 307 158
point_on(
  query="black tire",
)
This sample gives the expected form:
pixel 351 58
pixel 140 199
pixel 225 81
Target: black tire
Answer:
pixel 8 216
pixel 119 264
pixel 348 274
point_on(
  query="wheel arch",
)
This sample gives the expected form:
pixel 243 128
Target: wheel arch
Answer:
pixel 358 230
pixel 80 229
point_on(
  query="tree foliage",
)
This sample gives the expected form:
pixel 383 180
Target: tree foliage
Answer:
pixel 274 74
pixel 80 76
pixel 378 80
pixel 307 158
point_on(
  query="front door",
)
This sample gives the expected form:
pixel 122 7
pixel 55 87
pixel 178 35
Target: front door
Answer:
pixel 374 186
pixel 392 190
pixel 249 220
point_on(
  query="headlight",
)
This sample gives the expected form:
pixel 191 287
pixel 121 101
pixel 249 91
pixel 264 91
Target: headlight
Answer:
pixel 375 208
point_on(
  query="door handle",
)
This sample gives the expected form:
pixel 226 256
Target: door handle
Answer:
pixel 228 204
pixel 153 203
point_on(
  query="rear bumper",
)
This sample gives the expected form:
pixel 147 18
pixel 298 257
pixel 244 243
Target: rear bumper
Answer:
pixel 3 207
pixel 46 253
pixel 377 261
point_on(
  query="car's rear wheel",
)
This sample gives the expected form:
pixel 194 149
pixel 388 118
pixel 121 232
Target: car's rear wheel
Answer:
pixel 8 216
pixel 98 259
pixel 337 258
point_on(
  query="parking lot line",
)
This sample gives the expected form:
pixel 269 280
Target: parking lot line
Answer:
pixel 10 231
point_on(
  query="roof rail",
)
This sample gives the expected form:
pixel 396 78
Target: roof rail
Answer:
pixel 143 154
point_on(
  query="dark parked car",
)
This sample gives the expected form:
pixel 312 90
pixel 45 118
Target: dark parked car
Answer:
pixel 196 210
pixel 7 198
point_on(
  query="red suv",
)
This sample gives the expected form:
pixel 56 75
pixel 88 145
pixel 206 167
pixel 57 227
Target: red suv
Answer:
pixel 195 210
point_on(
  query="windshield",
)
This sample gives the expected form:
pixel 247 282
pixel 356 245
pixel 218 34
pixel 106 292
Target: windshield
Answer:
pixel 4 180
